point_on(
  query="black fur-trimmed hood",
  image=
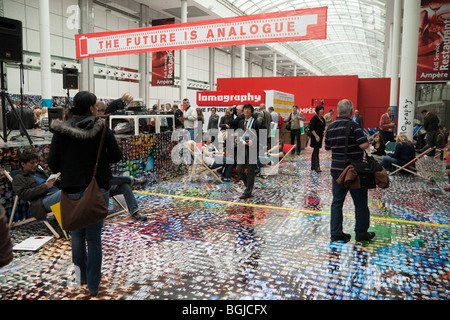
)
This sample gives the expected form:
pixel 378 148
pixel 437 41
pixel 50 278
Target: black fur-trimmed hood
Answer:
pixel 82 128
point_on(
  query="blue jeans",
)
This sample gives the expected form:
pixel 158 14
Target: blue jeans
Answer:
pixel 121 185
pixel 387 161
pixel 51 199
pixel 362 213
pixel 226 163
pixel 88 261
pixel 431 141
pixel 191 133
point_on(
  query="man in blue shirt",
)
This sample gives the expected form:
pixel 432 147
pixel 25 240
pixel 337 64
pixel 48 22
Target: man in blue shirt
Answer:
pixel 357 143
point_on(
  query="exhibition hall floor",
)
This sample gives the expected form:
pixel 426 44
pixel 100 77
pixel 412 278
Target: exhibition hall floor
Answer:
pixel 201 242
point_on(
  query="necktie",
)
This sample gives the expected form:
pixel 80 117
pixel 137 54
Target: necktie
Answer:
pixel 245 126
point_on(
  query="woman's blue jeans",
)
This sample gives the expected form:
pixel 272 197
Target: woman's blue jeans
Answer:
pixel 387 161
pixel 87 248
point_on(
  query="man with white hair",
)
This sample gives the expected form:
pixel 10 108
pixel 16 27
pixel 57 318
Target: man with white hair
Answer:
pixel 357 143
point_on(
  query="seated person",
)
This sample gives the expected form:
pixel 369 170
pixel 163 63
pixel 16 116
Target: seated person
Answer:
pixel 273 156
pixel 404 152
pixel 378 146
pixel 214 160
pixel 122 185
pixel 31 184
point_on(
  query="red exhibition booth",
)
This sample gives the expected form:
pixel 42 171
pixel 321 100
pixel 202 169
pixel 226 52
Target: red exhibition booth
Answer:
pixel 369 96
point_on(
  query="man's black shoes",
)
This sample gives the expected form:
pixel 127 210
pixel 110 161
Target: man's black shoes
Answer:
pixel 365 237
pixel 343 237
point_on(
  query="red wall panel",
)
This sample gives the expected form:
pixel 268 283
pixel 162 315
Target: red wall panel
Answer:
pixel 373 99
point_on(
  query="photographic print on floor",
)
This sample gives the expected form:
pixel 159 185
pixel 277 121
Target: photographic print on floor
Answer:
pixel 201 242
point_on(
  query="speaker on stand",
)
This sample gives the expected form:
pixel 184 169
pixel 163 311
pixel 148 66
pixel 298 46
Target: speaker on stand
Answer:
pixel 70 81
pixel 11 50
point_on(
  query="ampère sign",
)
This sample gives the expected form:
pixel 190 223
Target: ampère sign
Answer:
pixel 229 98
pixel 296 25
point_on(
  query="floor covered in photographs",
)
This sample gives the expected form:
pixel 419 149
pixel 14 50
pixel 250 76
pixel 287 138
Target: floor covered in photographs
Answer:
pixel 202 242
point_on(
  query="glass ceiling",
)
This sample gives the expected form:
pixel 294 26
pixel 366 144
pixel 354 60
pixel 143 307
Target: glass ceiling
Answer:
pixel 355 34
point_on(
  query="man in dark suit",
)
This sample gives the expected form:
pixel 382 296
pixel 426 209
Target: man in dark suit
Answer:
pixel 247 150
pixel 358 119
pixel 170 120
pixel 431 126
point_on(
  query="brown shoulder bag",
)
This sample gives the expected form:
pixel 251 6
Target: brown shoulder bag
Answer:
pixel 90 208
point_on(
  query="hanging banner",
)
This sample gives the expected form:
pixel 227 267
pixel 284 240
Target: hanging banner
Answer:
pixel 296 25
pixel 433 58
pixel 163 62
pixel 230 98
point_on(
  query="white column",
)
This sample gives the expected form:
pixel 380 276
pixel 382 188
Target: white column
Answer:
pixel 250 64
pixel 408 67
pixel 233 61
pixel 46 71
pixel 183 56
pixel 263 67
pixel 243 61
pixel 86 75
pixel 212 64
pixel 395 53
pixel 275 64
pixel 295 70
pixel 144 83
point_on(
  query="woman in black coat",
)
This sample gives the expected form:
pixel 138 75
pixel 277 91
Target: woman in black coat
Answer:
pixel 73 152
pixel 316 128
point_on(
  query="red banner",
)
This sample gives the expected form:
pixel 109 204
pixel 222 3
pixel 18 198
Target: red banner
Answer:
pixel 433 59
pixel 230 98
pixel 296 25
pixel 163 62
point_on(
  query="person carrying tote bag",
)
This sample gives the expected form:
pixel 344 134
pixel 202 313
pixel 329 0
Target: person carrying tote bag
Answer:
pixel 91 208
pixel 73 152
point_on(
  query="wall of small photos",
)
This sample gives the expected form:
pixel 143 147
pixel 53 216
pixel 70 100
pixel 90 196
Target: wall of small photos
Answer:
pixel 145 156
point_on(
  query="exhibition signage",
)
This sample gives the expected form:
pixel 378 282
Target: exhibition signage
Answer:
pixel 433 60
pixel 295 25
pixel 281 102
pixel 163 62
pixel 230 98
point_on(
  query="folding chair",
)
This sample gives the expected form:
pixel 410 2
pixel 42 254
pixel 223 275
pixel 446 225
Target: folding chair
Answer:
pixel 199 168
pixel 370 132
pixel 416 129
pixel 120 204
pixel 421 172
pixel 368 135
pixel 10 177
pixel 287 148
pixel 390 146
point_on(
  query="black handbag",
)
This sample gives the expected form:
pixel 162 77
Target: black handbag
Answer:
pixel 365 168
pixel 288 125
